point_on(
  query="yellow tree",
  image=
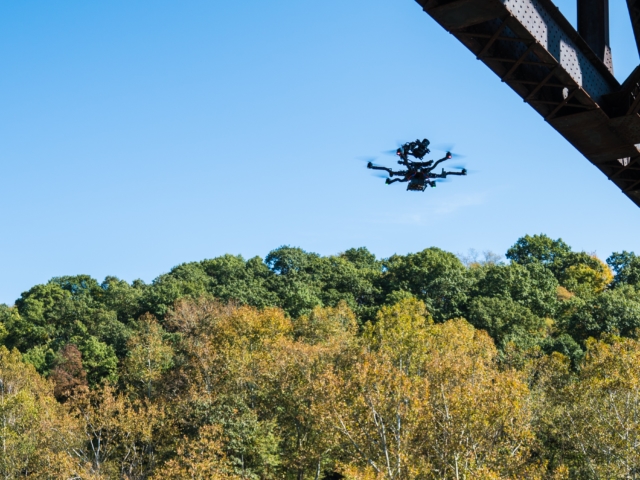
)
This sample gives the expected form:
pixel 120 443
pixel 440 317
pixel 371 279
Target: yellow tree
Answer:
pixel 36 437
pixel 202 458
pixel 601 416
pixel 120 436
pixel 222 343
pixel 477 420
pixel 374 397
pixel 375 407
pixel 222 349
pixel 291 378
pixel 400 335
pixel 149 355
pixel 429 401
pixel 588 278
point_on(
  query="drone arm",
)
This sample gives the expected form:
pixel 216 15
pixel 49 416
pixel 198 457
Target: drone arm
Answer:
pixel 375 167
pixel 440 161
pixel 444 174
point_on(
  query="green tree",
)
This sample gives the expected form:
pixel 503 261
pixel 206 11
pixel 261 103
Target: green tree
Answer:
pixel 436 277
pixel 123 298
pixel 626 266
pixel 295 282
pixel 507 321
pixel 99 360
pixel 38 311
pixel 7 316
pixel 540 249
pixel 186 280
pixel 233 279
pixel 67 310
pixel 342 280
pixel 531 285
pixel 579 272
pixel 613 311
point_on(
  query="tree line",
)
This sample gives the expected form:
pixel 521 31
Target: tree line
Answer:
pixel 347 366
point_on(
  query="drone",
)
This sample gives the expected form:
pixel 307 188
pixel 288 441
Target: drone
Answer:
pixel 418 174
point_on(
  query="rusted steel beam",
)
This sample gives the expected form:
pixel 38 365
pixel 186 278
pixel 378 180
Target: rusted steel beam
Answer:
pixel 543 83
pixel 622 169
pixel 535 50
pixel 632 187
pixel 492 39
pixel 484 35
pixel 515 60
pixel 562 104
pixel 519 62
pixel 540 84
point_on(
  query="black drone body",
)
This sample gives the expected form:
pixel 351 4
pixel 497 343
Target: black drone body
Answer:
pixel 418 174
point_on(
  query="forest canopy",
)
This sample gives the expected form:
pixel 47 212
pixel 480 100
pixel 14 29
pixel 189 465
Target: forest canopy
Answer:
pixel 425 365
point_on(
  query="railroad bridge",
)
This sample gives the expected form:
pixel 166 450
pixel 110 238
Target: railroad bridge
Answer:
pixel 564 74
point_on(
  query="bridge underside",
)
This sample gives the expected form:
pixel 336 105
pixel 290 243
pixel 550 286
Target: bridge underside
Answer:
pixel 532 47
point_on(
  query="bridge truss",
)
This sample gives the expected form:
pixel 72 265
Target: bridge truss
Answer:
pixel 566 76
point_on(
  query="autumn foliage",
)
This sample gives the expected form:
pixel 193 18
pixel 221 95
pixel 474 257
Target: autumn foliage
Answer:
pixel 485 371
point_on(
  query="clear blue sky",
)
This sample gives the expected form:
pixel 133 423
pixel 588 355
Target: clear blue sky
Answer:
pixel 137 135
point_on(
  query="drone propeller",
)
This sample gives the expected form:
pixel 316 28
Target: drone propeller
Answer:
pixel 369 161
pixel 380 175
pixel 448 147
pixel 366 159
pixel 445 147
pixel 372 165
pixel 399 144
pixel 462 167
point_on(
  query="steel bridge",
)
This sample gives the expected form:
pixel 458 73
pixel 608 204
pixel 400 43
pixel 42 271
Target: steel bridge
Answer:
pixel 564 74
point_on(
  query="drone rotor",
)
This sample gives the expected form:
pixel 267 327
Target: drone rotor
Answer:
pixel 449 148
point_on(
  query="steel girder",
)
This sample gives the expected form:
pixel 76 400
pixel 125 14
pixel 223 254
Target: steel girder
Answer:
pixel 634 13
pixel 532 47
pixel 593 26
